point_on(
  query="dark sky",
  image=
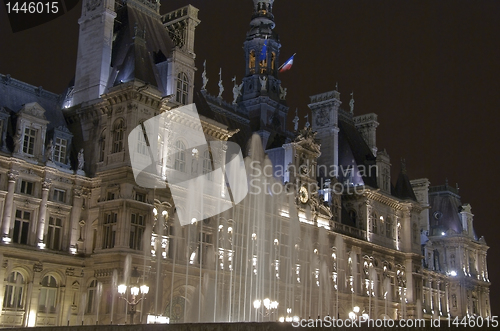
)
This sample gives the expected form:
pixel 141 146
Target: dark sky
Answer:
pixel 429 69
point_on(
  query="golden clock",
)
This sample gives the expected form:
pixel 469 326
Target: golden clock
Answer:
pixel 303 194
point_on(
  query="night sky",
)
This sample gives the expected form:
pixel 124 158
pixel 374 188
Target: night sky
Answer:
pixel 429 69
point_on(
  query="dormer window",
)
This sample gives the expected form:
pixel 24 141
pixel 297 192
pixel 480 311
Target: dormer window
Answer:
pixel 31 127
pixel 29 141
pixel 60 150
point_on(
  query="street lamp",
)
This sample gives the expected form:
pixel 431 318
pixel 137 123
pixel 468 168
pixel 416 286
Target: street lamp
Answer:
pixel 269 305
pixel 135 299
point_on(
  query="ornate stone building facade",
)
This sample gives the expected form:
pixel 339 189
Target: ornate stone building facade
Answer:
pixel 323 232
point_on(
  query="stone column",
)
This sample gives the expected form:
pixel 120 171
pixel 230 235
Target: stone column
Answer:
pixel 7 211
pixel 76 212
pixel 43 211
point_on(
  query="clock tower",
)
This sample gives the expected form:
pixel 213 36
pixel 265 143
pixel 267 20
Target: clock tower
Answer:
pixel 301 156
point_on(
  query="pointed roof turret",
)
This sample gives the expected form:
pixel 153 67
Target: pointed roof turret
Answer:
pixel 403 189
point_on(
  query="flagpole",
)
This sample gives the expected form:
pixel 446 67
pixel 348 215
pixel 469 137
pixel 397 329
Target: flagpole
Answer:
pixel 286 62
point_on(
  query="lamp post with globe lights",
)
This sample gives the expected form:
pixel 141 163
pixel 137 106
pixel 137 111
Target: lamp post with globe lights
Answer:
pixel 137 293
pixel 269 305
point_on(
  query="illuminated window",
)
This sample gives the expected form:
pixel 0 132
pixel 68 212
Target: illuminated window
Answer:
pixel 118 133
pixel 21 227
pixel 182 88
pixel 180 156
pixel 54 233
pixel 137 229
pixel 29 141
pixel 251 62
pixel 109 230
pixel 48 295
pixel 14 291
pixel 60 150
pixel 273 59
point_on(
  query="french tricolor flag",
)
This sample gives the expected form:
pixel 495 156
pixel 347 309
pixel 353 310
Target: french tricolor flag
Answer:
pixel 287 65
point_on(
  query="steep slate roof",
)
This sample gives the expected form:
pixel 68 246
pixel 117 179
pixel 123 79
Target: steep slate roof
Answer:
pixel 353 151
pixel 225 115
pixel 16 93
pixel 445 208
pixel 403 188
pixel 141 42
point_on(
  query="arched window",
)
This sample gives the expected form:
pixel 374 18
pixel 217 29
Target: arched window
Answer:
pixel 180 156
pixel 91 297
pixel 273 60
pixel 415 232
pixel 207 164
pixel 374 223
pixel 48 295
pixel 118 134
pixel 251 62
pixel 102 146
pixel 388 227
pixel 182 88
pixel 14 291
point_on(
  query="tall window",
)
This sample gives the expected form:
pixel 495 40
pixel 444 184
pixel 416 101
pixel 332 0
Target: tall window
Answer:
pixel 374 223
pixel 415 232
pixel 109 232
pixel 388 227
pixel 207 164
pixel 60 150
pixel 142 147
pixel 136 231
pixel 21 227
pixel 29 141
pixel 180 156
pixel 48 295
pixel 118 133
pixel 251 62
pixel 91 297
pixel 102 146
pixel 182 88
pixel 54 233
pixel 14 291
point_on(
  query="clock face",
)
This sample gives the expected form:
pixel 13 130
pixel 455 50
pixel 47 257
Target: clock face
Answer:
pixel 303 194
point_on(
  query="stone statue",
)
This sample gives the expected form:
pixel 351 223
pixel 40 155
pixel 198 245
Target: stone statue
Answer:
pixel 351 103
pixel 236 90
pixel 221 88
pixel 81 160
pixel 282 93
pixel 17 141
pixel 263 83
pixel 296 121
pixel 307 121
pixel 204 75
pixel 50 151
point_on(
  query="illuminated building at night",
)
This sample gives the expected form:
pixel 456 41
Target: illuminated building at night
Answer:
pixel 322 231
